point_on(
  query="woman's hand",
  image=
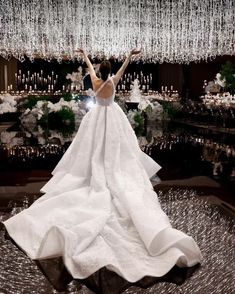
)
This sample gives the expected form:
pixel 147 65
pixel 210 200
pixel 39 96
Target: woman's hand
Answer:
pixel 80 50
pixel 135 51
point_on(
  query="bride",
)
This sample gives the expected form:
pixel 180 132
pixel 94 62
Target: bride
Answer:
pixel 99 208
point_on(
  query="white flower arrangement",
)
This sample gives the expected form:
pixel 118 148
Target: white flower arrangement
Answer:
pixel 8 103
pixel 135 92
pixel 45 107
pixel 220 81
pixel 11 139
pixel 76 79
pixel 156 112
pixel 145 104
pixel 224 99
pixel 131 117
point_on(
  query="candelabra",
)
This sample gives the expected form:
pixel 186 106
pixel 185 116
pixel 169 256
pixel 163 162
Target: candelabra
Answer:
pixel 35 81
pixel 145 81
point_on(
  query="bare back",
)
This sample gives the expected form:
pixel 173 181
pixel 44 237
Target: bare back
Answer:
pixel 104 89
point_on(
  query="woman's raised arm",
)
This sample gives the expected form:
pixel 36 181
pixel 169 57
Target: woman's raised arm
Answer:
pixel 88 63
pixel 118 75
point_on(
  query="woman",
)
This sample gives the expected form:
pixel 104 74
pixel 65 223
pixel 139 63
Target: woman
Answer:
pixel 99 208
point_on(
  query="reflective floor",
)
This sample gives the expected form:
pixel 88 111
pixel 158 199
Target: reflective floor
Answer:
pixel 196 191
pixel 208 223
pixel 184 152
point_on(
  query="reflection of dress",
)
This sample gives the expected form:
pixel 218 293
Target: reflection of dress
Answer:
pixel 99 208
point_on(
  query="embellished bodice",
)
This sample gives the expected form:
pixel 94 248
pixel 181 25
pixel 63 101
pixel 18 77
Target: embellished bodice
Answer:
pixel 105 101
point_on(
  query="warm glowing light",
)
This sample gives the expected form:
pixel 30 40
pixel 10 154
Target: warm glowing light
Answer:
pixel 90 104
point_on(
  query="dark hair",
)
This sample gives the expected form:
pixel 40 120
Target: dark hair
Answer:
pixel 105 69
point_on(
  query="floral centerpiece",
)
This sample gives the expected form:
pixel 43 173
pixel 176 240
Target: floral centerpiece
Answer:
pixel 76 79
pixel 56 114
pixel 226 77
pixel 225 100
pixel 8 103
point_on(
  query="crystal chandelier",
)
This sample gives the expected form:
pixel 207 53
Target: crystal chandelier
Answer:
pixel 172 31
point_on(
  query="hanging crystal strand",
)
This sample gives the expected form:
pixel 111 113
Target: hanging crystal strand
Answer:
pixel 173 31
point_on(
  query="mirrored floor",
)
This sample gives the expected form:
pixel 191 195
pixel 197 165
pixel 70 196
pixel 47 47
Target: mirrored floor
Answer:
pixel 208 223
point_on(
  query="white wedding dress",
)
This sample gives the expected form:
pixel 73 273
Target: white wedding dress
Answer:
pixel 99 208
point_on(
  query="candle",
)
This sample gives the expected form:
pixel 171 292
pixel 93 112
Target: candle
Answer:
pixel 30 88
pixel 63 87
pixel 171 87
pixel 26 87
pixel 165 88
pixel 5 77
pixel 35 87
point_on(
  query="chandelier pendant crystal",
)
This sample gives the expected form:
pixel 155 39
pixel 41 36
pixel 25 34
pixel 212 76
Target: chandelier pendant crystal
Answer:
pixel 172 31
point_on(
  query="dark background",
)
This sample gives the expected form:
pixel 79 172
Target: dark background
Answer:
pixel 186 78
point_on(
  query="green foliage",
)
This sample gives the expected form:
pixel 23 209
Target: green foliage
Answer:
pixel 139 119
pixel 67 97
pixel 171 111
pixel 58 119
pixel 228 73
pixel 66 114
pixel 32 100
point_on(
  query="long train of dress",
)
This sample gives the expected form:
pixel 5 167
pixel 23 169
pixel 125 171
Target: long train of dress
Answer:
pixel 100 210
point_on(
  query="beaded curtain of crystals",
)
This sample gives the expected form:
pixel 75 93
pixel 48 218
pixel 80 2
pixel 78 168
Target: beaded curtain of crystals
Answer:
pixel 173 31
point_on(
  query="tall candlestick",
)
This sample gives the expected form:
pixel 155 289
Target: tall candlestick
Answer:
pixel 5 77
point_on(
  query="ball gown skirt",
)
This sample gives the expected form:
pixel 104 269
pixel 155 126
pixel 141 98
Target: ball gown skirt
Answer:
pixel 100 210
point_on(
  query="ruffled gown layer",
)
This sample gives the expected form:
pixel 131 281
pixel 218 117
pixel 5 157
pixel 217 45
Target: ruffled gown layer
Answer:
pixel 100 210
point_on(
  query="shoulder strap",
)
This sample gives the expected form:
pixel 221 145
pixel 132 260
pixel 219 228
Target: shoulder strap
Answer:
pixel 111 79
pixel 101 87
